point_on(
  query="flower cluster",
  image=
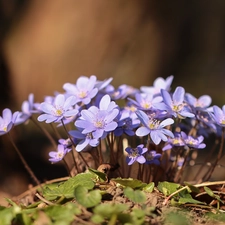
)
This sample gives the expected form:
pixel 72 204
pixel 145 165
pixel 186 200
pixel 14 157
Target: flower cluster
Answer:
pixel 123 124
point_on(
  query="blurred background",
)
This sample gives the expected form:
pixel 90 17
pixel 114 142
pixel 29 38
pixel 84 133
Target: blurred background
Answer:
pixel 45 43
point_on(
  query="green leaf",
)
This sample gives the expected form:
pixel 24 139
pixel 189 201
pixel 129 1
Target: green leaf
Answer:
pixel 62 214
pixel 101 176
pixel 136 196
pixel 149 187
pixel 167 188
pixel 212 194
pixel 192 187
pixel 6 216
pixel 87 199
pixel 209 191
pixel 129 182
pixel 189 200
pixel 67 188
pixel 97 219
pixel 106 209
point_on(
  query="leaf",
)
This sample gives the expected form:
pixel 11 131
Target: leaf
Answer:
pixel 107 209
pixel 212 194
pixel 67 188
pixel 209 191
pixel 6 215
pixel 129 182
pixel 62 214
pixel 101 176
pixel 167 188
pixel 149 187
pixel 192 187
pixel 189 200
pixel 87 199
pixel 136 196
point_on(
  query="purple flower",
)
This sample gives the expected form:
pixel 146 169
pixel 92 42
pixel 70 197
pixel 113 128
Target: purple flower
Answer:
pixel 201 103
pixel 102 84
pixel 59 109
pixel 28 108
pixel 126 124
pixel 152 157
pixel 218 115
pixel 56 156
pixel 158 84
pixel 66 143
pixel 177 141
pixel 193 142
pixel 123 91
pixel 146 101
pixel 176 105
pixel 84 90
pixel 99 121
pixel 83 140
pixel 154 127
pixel 136 154
pixel 7 120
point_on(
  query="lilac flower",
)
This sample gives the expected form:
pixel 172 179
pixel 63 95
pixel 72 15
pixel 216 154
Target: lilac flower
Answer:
pixel 65 142
pixel 126 125
pixel 99 121
pixel 83 140
pixel 7 120
pixel 152 157
pixel 154 127
pixel 56 156
pixel 193 142
pixel 102 84
pixel 201 103
pixel 158 84
pixel 218 115
pixel 84 90
pixel 146 101
pixel 177 141
pixel 59 109
pixel 28 108
pixel 122 92
pixel 175 105
pixel 136 154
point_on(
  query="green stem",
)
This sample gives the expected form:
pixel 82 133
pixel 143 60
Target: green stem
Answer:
pixel 113 219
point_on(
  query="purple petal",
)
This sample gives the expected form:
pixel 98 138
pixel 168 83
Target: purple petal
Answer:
pixel 178 95
pixel 103 105
pixel 59 100
pixel 141 159
pixel 111 126
pixel 155 138
pixel 142 131
pixel 7 115
pixel 166 122
pixel 166 97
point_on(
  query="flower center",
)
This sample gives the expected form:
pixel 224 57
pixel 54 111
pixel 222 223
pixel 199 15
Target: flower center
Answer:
pixel 58 112
pixel 146 105
pixel 99 123
pixel 134 153
pixel 153 124
pixel 82 94
pixel 59 155
pixel 177 108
